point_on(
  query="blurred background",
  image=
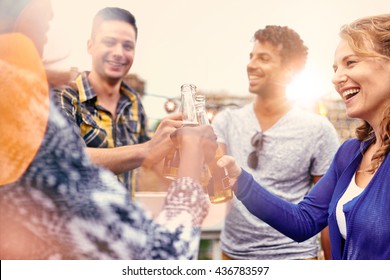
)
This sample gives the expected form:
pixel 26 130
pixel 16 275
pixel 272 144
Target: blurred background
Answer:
pixel 207 43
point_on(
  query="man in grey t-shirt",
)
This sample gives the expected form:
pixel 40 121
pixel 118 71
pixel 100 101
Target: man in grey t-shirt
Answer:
pixel 285 148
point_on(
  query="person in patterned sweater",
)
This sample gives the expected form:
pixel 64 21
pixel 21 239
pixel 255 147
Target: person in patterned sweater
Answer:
pixel 56 204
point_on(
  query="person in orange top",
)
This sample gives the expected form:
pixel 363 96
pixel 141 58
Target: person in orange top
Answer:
pixel 55 204
pixel 23 94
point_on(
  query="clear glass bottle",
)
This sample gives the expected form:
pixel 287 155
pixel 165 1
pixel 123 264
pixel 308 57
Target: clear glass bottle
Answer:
pixel 172 160
pixel 218 186
pixel 188 111
pixel 200 107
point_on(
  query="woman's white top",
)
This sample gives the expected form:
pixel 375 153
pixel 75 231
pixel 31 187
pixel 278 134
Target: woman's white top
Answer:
pixel 352 191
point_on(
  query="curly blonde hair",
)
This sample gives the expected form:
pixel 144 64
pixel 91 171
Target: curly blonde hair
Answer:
pixel 370 37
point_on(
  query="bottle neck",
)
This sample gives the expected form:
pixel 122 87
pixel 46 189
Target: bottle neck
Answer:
pixel 200 107
pixel 188 108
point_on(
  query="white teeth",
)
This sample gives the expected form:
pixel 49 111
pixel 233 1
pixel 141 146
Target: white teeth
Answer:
pixel 114 63
pixel 350 92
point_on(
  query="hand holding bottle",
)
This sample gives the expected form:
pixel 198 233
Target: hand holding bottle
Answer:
pixel 197 140
pixel 160 144
pixel 188 114
pixel 218 186
pixel 231 166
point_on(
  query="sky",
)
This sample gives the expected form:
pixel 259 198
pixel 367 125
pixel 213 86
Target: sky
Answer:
pixel 207 42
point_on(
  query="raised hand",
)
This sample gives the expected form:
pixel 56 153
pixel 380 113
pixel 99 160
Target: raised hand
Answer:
pixel 231 166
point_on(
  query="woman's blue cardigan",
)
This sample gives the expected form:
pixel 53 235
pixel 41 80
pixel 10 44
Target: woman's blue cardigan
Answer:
pixel 367 216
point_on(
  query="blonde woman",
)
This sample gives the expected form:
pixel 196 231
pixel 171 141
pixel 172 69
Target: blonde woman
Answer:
pixel 353 197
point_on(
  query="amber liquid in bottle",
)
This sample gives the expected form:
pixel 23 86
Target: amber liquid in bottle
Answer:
pixel 219 188
pixel 172 160
pixel 213 177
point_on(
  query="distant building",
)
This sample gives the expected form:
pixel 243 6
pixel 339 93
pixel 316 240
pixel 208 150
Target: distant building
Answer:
pixel 134 81
pixel 334 110
pixel 331 107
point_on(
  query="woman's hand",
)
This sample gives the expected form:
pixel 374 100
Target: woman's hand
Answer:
pixel 196 139
pixel 197 145
pixel 231 166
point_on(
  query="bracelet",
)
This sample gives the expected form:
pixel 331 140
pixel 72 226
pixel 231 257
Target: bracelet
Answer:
pixel 185 193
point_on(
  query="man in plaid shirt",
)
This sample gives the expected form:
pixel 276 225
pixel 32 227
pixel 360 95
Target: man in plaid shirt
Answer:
pixel 107 112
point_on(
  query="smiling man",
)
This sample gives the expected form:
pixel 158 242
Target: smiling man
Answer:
pixel 285 148
pixel 107 112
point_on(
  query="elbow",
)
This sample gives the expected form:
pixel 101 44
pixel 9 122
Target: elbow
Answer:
pixel 300 236
pixel 300 239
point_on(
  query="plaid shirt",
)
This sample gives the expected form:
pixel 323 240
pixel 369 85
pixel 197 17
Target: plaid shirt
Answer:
pixel 96 125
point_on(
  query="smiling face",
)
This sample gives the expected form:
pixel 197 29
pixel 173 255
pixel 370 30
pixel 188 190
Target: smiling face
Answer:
pixel 265 69
pixel 363 83
pixel 112 49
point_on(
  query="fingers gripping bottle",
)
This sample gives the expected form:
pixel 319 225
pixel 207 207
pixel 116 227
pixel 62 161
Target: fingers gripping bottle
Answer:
pixel 172 160
pixel 218 187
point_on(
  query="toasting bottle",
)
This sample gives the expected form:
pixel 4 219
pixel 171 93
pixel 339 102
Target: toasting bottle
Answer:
pixel 172 160
pixel 218 187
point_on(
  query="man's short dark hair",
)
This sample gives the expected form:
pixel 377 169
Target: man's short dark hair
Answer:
pixel 113 13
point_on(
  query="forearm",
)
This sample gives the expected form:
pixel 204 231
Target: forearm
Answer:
pixel 325 244
pixel 191 163
pixel 186 206
pixel 293 220
pixel 119 159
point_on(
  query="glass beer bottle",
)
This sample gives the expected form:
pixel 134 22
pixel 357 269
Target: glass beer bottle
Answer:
pixel 200 107
pixel 218 187
pixel 172 160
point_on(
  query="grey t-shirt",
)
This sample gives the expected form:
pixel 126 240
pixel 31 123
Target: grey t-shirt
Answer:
pixel 300 145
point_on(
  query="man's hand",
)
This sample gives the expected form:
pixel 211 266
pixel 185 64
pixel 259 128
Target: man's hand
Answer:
pixel 161 143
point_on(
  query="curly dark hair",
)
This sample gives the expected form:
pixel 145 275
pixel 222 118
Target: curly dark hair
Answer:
pixel 293 51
